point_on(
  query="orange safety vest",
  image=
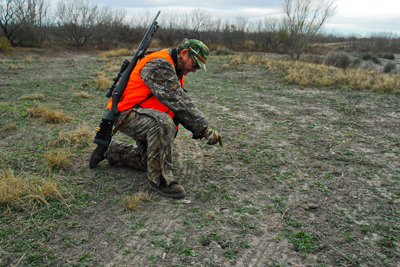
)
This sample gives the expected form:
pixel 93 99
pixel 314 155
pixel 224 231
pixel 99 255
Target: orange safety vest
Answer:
pixel 136 90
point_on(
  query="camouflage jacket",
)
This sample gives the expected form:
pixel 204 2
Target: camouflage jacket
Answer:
pixel 161 78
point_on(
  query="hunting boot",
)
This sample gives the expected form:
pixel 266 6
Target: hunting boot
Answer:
pixel 97 156
pixel 171 190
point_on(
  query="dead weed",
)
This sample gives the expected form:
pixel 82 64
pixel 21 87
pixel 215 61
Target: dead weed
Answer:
pixel 116 53
pixel 10 127
pixel 26 191
pixel 83 95
pixel 134 202
pixel 81 137
pixel 57 159
pixel 49 116
pixel 35 96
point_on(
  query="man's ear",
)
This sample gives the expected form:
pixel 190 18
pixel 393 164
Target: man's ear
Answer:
pixel 184 53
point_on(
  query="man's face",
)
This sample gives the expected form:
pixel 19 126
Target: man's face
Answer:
pixel 189 63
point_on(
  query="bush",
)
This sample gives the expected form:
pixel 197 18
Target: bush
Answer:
pixel 5 45
pixel 222 51
pixel 366 56
pixel 340 60
pixel 356 63
pixel 372 58
pixel 376 60
pixel 313 59
pixel 390 67
pixel 389 56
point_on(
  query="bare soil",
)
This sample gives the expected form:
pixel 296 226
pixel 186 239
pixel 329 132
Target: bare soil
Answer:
pixel 308 177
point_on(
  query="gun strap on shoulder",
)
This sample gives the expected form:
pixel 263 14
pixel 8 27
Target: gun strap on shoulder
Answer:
pixel 174 56
pixel 129 112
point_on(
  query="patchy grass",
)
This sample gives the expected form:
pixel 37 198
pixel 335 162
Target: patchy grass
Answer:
pixel 81 137
pixel 10 127
pixel 26 191
pixel 116 53
pixel 310 74
pixel 49 116
pixel 34 96
pixel 83 95
pixel 309 174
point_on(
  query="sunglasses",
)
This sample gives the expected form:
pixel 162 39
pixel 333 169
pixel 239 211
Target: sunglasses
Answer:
pixel 195 64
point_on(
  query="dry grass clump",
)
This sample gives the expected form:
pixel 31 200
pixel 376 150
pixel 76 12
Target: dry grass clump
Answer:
pixel 10 127
pixel 28 58
pixel 57 159
pixel 222 51
pixel 111 68
pixel 257 60
pixel 26 191
pixel 98 74
pixel 103 83
pixel 134 202
pixel 237 60
pixel 81 137
pixel 85 84
pixel 308 74
pixel 35 96
pixel 83 95
pixel 116 53
pixel 49 116
pixel 11 66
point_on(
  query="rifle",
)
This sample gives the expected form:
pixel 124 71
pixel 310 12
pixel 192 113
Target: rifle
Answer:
pixel 104 131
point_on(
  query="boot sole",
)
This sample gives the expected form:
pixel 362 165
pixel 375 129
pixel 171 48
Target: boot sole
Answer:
pixel 167 195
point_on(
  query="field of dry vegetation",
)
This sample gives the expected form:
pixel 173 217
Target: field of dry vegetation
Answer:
pixel 309 175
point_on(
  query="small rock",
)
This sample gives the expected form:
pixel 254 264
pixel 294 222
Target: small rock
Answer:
pixel 185 201
pixel 361 223
pixel 313 206
pixel 305 207
pixel 206 242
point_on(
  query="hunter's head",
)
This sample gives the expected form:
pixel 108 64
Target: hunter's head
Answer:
pixel 193 55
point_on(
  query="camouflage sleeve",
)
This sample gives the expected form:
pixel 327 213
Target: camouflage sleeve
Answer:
pixel 160 76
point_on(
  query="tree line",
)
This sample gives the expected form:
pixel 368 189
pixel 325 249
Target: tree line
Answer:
pixel 83 23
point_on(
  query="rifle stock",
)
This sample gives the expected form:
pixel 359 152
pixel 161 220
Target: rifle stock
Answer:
pixel 104 131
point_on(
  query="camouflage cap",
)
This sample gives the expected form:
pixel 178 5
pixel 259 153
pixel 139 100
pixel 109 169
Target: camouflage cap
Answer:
pixel 199 50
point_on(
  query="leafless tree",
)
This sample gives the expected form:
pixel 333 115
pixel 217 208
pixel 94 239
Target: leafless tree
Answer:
pixel 11 17
pixel 167 35
pixel 303 19
pixel 235 32
pixel 194 22
pixel 110 27
pixel 77 20
pixel 275 34
pixel 23 20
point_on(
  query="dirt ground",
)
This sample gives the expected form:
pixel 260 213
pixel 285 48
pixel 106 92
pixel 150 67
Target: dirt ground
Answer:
pixel 308 176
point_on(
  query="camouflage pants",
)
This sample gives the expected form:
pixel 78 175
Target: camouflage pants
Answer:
pixel 154 137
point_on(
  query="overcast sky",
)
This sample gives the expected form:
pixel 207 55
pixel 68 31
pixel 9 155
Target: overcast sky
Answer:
pixel 354 16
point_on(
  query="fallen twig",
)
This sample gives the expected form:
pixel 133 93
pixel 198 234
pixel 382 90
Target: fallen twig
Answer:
pixel 239 172
pixel 342 176
pixel 122 221
pixel 283 215
pixel 20 259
